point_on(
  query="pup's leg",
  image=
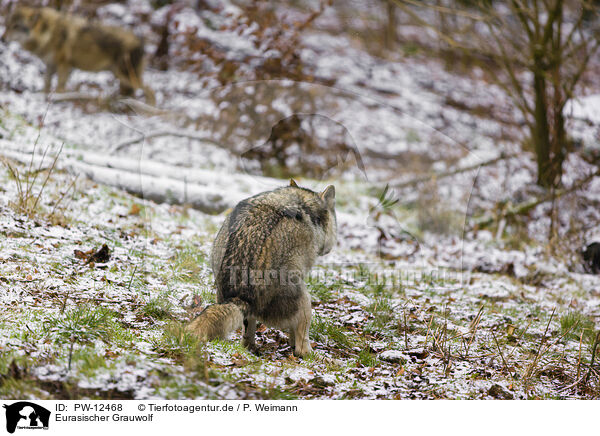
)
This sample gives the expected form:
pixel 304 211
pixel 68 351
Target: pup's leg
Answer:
pixel 302 325
pixel 248 340
pixel 291 338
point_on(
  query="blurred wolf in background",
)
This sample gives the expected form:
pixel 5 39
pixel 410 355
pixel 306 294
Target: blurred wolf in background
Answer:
pixel 64 41
pixel 260 257
pixel 591 258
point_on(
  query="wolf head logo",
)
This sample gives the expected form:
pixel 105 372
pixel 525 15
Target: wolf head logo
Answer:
pixel 27 414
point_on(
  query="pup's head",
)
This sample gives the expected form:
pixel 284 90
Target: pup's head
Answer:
pixel 19 24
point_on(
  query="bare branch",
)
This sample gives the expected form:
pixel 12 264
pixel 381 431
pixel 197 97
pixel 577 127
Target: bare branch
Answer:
pixel 179 134
pixel 552 17
pixel 522 13
pixel 518 94
pixel 442 9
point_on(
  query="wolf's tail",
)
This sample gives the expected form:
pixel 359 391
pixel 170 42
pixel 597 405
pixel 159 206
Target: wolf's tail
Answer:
pixel 218 321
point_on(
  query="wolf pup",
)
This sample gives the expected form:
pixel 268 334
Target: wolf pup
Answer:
pixel 260 257
pixel 64 42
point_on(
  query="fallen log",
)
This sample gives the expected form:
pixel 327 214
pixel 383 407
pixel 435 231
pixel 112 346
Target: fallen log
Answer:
pixel 220 180
pixel 207 199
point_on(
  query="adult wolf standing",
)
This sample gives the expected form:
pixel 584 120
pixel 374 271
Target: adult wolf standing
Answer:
pixel 260 258
pixel 64 42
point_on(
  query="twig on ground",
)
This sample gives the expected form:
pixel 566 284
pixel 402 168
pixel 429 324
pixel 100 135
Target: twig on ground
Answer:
pixel 474 326
pixel 73 96
pixel 579 357
pixel 71 185
pixel 535 361
pixel 504 362
pixel 37 199
pixel 594 347
pixel 428 330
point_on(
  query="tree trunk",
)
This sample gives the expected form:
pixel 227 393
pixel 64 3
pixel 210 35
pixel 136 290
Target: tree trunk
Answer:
pixel 541 129
pixel 559 141
pixel 559 144
pixel 390 30
pixel 161 55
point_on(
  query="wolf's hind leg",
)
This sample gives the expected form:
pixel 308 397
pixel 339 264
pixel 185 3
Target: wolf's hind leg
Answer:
pixel 302 325
pixel 291 338
pixel 50 71
pixel 63 71
pixel 125 89
pixel 249 337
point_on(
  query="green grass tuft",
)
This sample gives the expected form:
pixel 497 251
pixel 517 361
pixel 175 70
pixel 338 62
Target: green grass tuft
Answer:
pixel 88 361
pixel 322 292
pixel 574 324
pixel 366 358
pixel 158 308
pixel 325 331
pixel 383 316
pixel 85 324
pixel 188 263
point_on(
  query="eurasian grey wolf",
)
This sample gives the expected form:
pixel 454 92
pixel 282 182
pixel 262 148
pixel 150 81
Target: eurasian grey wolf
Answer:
pixel 64 42
pixel 260 258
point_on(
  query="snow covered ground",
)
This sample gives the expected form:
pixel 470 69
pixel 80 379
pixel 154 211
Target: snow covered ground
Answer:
pixel 463 312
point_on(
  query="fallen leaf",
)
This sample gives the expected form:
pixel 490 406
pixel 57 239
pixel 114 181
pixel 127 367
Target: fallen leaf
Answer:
pixel 196 301
pixel 418 353
pixel 135 209
pixel 91 257
pixel 510 329
pixel 499 392
pixel 82 254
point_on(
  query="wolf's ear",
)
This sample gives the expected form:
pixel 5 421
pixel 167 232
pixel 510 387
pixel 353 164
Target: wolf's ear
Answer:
pixel 293 183
pixel 328 196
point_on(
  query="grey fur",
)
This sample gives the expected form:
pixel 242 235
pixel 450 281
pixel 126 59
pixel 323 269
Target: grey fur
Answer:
pixel 260 258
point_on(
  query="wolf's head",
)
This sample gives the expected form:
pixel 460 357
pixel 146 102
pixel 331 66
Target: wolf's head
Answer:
pixel 19 24
pixel 330 224
pixel 320 206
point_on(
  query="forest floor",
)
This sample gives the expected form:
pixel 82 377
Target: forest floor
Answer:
pixel 413 302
